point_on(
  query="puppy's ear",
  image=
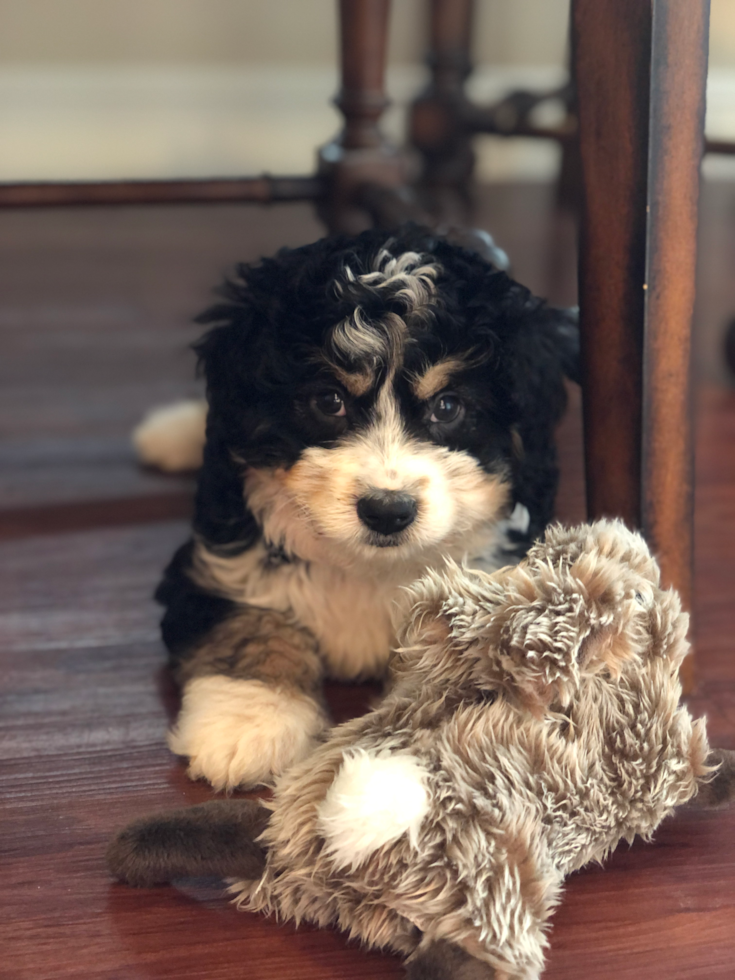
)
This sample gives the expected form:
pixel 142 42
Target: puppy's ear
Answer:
pixel 565 327
pixel 228 359
pixel 226 353
pixel 540 348
pixel 215 838
pixel 544 348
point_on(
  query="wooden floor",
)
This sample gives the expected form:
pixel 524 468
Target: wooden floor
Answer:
pixel 93 329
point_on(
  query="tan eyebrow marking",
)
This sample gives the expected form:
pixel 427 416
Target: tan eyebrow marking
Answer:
pixel 358 382
pixel 437 377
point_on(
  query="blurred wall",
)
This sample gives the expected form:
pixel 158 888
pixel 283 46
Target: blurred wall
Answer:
pixel 160 88
pixel 722 34
pixel 222 32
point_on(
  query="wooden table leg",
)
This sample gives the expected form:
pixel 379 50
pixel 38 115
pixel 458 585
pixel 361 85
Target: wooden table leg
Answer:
pixel 360 154
pixel 640 69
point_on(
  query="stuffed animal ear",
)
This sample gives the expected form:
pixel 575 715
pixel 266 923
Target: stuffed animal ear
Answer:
pixel 603 540
pixel 515 629
pixel 453 603
pixel 538 633
pixel 437 622
pixel 534 628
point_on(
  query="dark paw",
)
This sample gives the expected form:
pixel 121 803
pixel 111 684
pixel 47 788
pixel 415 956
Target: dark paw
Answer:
pixel 720 790
pixel 445 961
pixel 215 838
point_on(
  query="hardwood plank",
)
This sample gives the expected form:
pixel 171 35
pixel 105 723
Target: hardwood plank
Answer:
pixel 95 323
pixel 85 707
pixel 23 522
pixel 84 702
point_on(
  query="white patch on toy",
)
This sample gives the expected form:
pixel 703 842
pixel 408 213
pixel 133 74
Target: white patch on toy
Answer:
pixel 374 799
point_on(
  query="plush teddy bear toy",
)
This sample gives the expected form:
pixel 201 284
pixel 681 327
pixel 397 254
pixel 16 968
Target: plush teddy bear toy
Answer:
pixel 533 721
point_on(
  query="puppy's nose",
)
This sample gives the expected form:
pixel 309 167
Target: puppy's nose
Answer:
pixel 387 511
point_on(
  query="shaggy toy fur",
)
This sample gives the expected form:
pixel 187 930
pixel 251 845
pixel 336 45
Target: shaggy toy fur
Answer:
pixel 533 722
pixel 376 405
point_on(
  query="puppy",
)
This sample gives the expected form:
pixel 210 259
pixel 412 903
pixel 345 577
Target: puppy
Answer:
pixel 375 405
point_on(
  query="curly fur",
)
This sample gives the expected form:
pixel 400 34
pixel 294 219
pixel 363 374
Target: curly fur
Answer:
pixel 389 325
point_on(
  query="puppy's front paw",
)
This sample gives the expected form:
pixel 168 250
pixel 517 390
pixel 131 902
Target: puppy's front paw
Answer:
pixel 242 733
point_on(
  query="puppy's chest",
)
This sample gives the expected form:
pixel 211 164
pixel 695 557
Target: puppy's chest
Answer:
pixel 349 615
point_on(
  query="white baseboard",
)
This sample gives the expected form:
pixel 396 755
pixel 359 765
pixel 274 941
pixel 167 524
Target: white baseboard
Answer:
pixel 106 123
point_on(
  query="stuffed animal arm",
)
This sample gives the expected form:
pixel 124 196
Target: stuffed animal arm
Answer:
pixel 533 721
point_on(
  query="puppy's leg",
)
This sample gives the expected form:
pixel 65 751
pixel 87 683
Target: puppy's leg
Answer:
pixel 171 438
pixel 719 790
pixel 216 838
pixel 445 961
pixel 251 699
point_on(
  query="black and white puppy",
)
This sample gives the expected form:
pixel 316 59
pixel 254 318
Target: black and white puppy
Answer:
pixel 376 405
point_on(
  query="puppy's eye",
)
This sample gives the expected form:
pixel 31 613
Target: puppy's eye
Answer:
pixel 447 408
pixel 329 403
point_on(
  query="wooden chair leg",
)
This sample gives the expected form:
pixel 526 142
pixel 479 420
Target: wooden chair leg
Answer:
pixel 360 155
pixel 436 123
pixel 640 70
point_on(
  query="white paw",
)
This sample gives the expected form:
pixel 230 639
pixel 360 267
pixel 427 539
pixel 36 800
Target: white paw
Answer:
pixel 242 733
pixel 172 438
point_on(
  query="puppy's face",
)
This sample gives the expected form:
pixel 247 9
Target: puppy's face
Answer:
pixel 369 405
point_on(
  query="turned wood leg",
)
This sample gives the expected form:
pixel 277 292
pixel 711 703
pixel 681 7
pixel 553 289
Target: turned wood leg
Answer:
pixel 436 124
pixel 360 155
pixel 640 69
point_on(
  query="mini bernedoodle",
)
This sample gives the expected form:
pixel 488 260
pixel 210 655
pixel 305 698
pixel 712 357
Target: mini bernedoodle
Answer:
pixel 376 405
